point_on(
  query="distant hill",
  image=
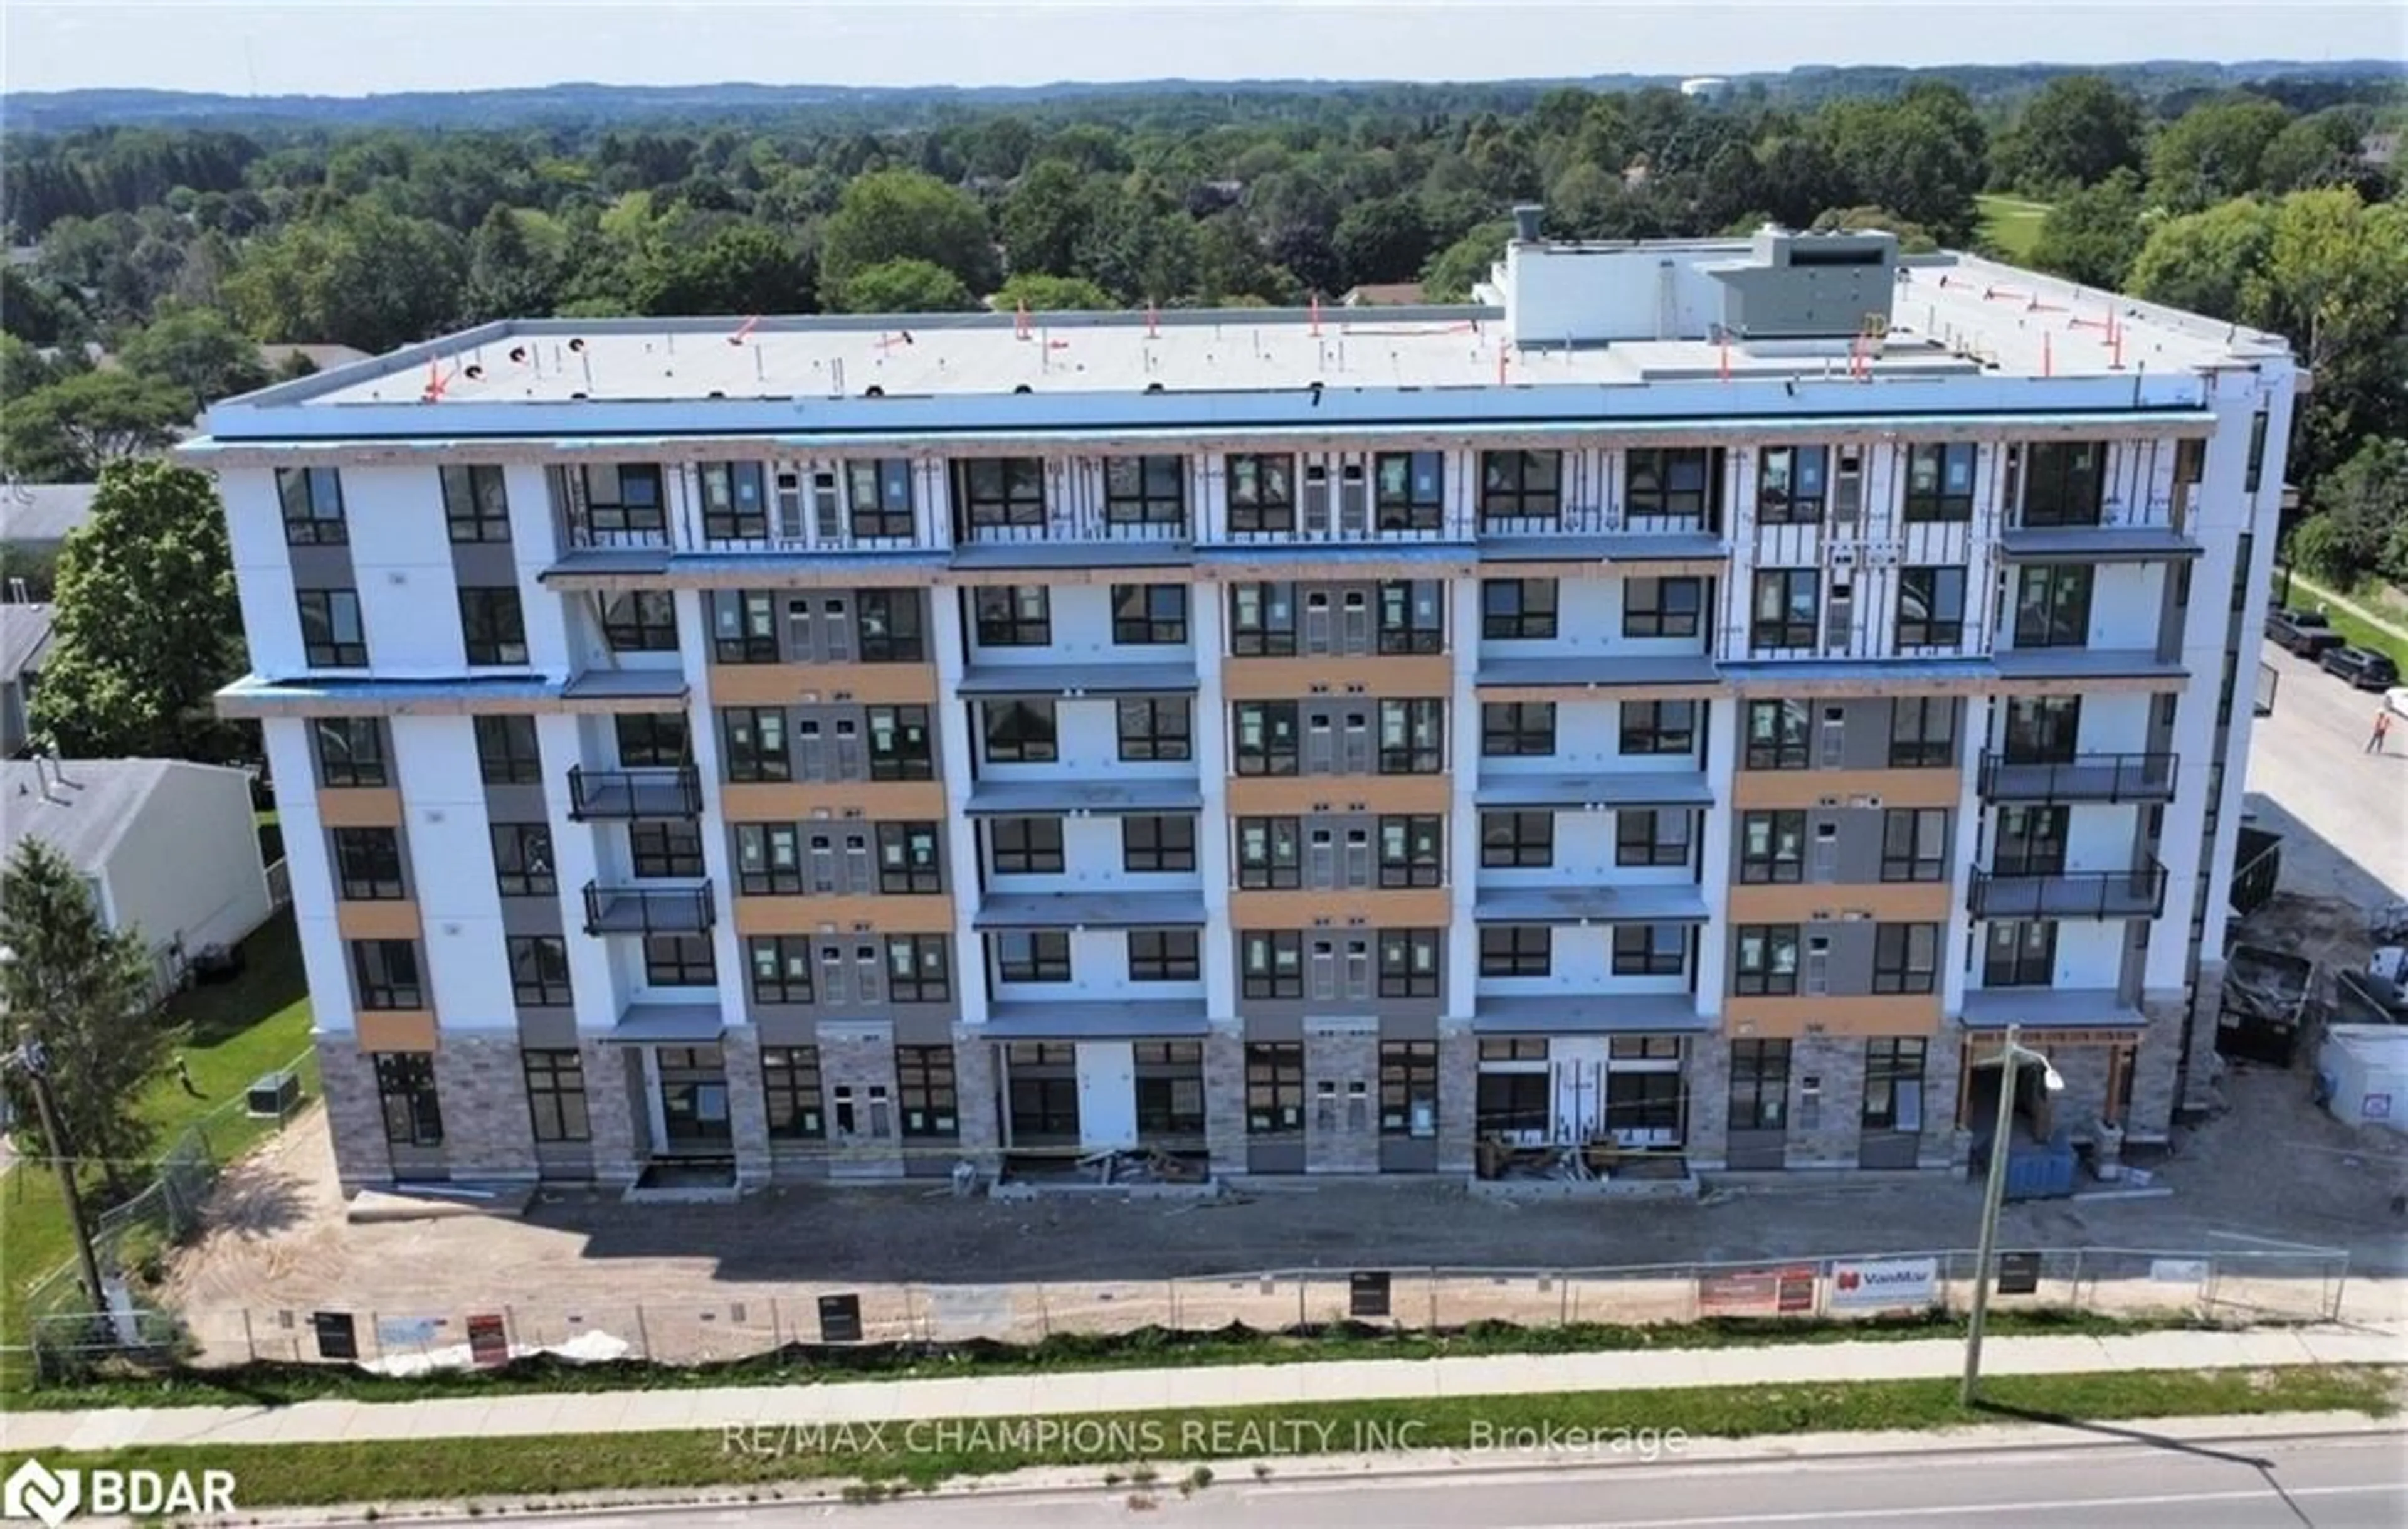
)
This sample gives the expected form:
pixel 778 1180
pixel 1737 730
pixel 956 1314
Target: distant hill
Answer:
pixel 41 111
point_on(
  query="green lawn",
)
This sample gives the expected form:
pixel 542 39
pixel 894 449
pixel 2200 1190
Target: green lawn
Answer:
pixel 2306 593
pixel 234 1034
pixel 2011 223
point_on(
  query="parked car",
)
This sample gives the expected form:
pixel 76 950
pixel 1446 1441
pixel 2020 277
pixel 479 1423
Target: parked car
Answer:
pixel 2306 633
pixel 2364 669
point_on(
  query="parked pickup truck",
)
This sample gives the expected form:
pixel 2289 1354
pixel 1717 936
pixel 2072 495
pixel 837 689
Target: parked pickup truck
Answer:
pixel 2363 668
pixel 2303 632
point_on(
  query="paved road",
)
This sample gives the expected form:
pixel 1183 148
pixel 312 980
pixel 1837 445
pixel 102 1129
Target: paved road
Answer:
pixel 2309 771
pixel 2338 1482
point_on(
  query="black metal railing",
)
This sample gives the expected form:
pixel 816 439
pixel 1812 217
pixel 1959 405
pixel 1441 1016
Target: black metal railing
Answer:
pixel 2085 777
pixel 638 791
pixel 647 910
pixel 2139 893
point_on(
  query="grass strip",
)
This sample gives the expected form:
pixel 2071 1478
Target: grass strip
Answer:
pixel 1154 1347
pixel 391 1470
pixel 2361 632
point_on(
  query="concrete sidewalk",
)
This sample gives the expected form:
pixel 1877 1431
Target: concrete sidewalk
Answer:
pixel 1125 1390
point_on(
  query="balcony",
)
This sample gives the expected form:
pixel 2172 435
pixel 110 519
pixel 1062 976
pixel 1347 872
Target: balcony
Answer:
pixel 2085 777
pixel 647 910
pixel 649 791
pixel 2139 893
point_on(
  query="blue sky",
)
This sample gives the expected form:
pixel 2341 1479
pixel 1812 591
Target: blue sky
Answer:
pixel 358 47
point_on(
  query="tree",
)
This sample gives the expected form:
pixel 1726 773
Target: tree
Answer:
pixel 83 991
pixel 742 267
pixel 30 313
pixel 1042 294
pixel 1913 237
pixel 2198 263
pixel 366 277
pixel 903 216
pixel 1450 274
pixel 2361 523
pixel 906 286
pixel 199 352
pixel 1922 156
pixel 63 433
pixel 1045 219
pixel 147 627
pixel 1381 240
pixel 507 278
pixel 2078 131
pixel 2335 280
pixel 2212 153
pixel 2312 152
pixel 2093 235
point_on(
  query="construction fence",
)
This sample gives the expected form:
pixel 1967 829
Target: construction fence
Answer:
pixel 2303 1285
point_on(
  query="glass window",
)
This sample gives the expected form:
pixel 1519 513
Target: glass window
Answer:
pixel 1659 726
pixel 386 974
pixel 2052 605
pixel 1906 958
pixel 1409 490
pixel 651 738
pixel 1409 1089
pixel 1146 491
pixel 1789 486
pixel 1787 607
pixel 900 748
pixel 1148 614
pixel 887 627
pixel 1765 959
pixel 1517 610
pixel 1408 962
pixel 614 500
pixel 768 859
pixel 999 492
pixel 539 971
pixel 1024 845
pixel 1264 736
pixel 1517 840
pixel 1412 616
pixel 555 1088
pixel 1163 955
pixel 2019 954
pixel 506 751
pixel 405 1083
pixel 640 621
pixel 1517 727
pixel 1412 737
pixel 1894 1084
pixel 1922 732
pixel 925 1083
pixel 1915 844
pixel 1262 620
pixel 1760 1085
pixel 1411 850
pixel 2065 483
pixel 1778 732
pixel 790 1086
pixel 1515 1106
pixel 1275 1089
pixel 1667 480
pixel 877 495
pixel 919 970
pixel 679 961
pixel 475 505
pixel 1771 847
pixel 523 860
pixel 754 741
pixel 1012 617
pixel 1662 607
pixel 782 968
pixel 1271 963
pixel 1650 950
pixel 1155 728
pixel 734 501
pixel 1931 606
pixel 1019 732
pixel 1269 854
pixel 351 751
pixel 1940 481
pixel 743 627
pixel 908 864
pixel 1262 493
pixel 312 501
pixel 1152 843
pixel 493 629
pixel 1520 485
pixel 331 634
pixel 367 864
pixel 660 847
pixel 1515 950
pixel 1654 835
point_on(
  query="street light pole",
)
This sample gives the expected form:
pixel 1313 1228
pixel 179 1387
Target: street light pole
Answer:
pixel 33 1060
pixel 1993 1196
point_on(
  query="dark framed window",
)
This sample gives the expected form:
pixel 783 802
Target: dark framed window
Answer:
pixel 1412 849
pixel 1262 493
pixel 1409 490
pixel 1513 1105
pixel 900 748
pixel 1760 1085
pixel 312 502
pixel 1915 844
pixel 1409 1089
pixel 555 1090
pixel 2052 605
pixel 522 864
pixel 405 1082
pixel 1894 1083
pixel 386 974
pixel 1651 950
pixel 790 1087
pixel 1789 486
pixel 753 738
pixel 768 859
pixel 476 504
pixel 1163 955
pixel 679 961
pixel 926 1089
pixel 782 968
pixel 1025 846
pixel 2044 730
pixel 1412 616
pixel 878 497
pixel 640 621
pixel 919 969
pixel 351 751
pixel 1001 491
pixel 1043 1093
pixel 1155 727
pixel 1788 608
pixel 1906 958
pixel 1931 606
pixel 651 737
pixel 1779 734
pixel 1271 963
pixel 1659 726
pixel 1274 1088
pixel 1148 614
pixel 1771 847
pixel 1649 1101
pixel 743 627
pixel 1940 481
pixel 1410 962
pixel 1270 854
pixel 1032 955
pixel 1013 615
pixel 620 499
pixel 332 636
pixel 908 863
pixel 367 865
pixel 1645 1048
pixel 1662 607
pixel 1412 737
pixel 661 848
pixel 1520 485
pixel 1157 842
pixel 1765 960
pixel 1517 951
pixel 2065 483
pixel 1669 481
pixel 1517 839
pixel 1922 732
pixel 1511 729
pixel 1517 610
pixel 1653 836
pixel 1019 732
pixel 887 627
pixel 506 751
pixel 1169 1088
pixel 734 501
pixel 2017 953
pixel 2255 472
pixel 1263 737
pixel 1146 491
pixel 1262 620
pixel 2030 841
pixel 493 629
pixel 1513 1048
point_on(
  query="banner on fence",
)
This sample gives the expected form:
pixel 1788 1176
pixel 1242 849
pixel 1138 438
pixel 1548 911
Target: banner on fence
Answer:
pixel 2018 1274
pixel 1788 1291
pixel 2178 1271
pixel 337 1338
pixel 489 1341
pixel 1367 1293
pixel 407 1332
pixel 841 1319
pixel 1875 1284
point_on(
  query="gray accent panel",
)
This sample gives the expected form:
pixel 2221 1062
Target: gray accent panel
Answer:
pixel 547 1029
pixel 522 803
pixel 1092 910
pixel 569 1162
pixel 1624 788
pixel 1134 1019
pixel 2039 1008
pixel 1569 671
pixel 1589 1015
pixel 487 564
pixel 1273 1023
pixel 1274 1157
pixel 316 567
pixel 532 915
pixel 919 1024
pixel 786 1024
pixel 1096 679
pixel 1632 904
pixel 1407 1155
pixel 1410 1018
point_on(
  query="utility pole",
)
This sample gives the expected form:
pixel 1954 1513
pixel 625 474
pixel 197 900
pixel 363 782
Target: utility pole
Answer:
pixel 34 1062
pixel 2011 1057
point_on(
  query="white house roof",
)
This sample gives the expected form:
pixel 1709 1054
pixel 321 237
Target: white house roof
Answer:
pixel 24 632
pixel 44 513
pixel 81 807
